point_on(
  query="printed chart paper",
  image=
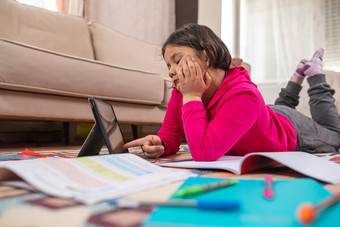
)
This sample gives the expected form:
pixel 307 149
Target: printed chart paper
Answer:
pixel 92 179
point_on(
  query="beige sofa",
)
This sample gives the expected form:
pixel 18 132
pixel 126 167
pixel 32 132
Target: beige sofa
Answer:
pixel 50 63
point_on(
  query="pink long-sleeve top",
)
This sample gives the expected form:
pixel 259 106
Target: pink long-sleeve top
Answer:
pixel 237 121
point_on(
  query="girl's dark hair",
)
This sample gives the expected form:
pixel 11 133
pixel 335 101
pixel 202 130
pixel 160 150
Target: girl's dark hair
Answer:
pixel 200 38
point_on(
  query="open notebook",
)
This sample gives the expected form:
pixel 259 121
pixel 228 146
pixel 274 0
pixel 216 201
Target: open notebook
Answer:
pixel 304 163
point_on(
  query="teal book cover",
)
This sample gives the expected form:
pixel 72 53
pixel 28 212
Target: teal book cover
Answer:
pixel 255 209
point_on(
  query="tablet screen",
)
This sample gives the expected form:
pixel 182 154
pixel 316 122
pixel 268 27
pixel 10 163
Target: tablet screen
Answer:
pixel 106 130
pixel 109 124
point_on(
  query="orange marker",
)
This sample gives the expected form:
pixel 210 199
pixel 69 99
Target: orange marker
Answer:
pixel 307 213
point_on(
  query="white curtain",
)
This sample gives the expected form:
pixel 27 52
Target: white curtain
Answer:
pixel 332 34
pixel 276 35
pixel 76 7
pixel 298 32
pixel 148 20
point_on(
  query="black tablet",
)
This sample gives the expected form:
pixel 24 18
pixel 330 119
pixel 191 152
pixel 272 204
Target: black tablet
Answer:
pixel 105 131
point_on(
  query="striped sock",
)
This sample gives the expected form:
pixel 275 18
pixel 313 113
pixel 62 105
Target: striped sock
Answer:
pixel 299 75
pixel 314 66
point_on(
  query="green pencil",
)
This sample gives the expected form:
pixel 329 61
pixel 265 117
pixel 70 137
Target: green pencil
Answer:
pixel 202 188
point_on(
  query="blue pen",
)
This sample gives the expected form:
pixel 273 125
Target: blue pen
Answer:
pixel 203 204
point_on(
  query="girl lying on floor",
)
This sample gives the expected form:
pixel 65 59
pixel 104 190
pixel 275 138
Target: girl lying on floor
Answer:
pixel 221 111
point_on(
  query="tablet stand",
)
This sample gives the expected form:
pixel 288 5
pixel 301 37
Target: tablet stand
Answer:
pixel 93 143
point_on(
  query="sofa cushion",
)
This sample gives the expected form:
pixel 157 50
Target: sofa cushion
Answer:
pixel 46 29
pixel 27 68
pixel 113 47
pixel 37 106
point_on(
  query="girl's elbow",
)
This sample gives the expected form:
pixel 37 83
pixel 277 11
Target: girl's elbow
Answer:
pixel 203 157
pixel 204 153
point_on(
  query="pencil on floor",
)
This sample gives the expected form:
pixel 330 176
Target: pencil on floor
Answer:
pixel 199 189
pixel 203 204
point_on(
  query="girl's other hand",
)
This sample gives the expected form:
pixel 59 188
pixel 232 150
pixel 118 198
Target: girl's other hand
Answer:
pixel 151 145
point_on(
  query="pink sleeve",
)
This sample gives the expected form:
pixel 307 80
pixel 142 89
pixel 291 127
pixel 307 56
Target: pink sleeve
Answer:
pixel 171 132
pixel 209 141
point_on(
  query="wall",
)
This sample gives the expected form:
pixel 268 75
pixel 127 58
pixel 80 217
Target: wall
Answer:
pixel 209 14
pixel 151 21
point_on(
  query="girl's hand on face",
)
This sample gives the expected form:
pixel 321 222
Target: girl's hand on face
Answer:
pixel 192 83
pixel 151 145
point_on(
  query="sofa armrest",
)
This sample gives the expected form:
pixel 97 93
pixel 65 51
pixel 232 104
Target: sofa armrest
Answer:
pixel 167 91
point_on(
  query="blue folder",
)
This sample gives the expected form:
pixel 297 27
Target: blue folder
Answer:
pixel 255 209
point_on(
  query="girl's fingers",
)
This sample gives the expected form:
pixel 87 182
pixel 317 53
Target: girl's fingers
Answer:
pixel 148 140
pixel 197 67
pixel 179 72
pixel 153 151
pixel 191 66
pixel 156 140
pixel 134 143
pixel 186 71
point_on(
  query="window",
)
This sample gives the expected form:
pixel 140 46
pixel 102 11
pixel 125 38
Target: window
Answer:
pixel 46 4
pixel 332 34
pixel 73 7
pixel 272 36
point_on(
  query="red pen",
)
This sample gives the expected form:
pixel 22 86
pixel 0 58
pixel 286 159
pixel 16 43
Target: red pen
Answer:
pixel 268 189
